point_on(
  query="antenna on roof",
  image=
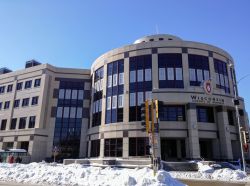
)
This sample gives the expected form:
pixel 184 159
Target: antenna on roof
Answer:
pixel 156 29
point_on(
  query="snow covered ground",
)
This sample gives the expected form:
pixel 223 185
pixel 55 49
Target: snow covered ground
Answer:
pixel 75 174
pixel 208 173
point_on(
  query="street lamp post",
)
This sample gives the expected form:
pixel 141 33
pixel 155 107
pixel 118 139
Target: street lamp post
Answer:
pixel 236 103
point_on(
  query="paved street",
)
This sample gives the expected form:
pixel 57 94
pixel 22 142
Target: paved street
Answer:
pixel 212 183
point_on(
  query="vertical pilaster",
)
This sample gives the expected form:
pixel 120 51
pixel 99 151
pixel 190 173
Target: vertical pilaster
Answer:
pixel 224 133
pixel 126 91
pixel 193 137
pixel 125 147
pixel 101 148
pixel 104 92
pixel 185 70
pixel 155 79
pixel 212 71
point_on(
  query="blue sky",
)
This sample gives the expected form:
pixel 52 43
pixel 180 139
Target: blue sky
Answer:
pixel 74 33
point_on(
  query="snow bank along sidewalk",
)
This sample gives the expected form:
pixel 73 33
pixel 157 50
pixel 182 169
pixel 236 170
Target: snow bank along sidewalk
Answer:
pixel 206 172
pixel 75 174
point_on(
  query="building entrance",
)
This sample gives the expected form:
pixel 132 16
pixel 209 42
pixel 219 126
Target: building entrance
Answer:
pixel 173 149
pixel 206 149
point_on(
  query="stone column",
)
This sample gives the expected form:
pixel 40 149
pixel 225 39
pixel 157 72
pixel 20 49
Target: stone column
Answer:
pixel 101 148
pixel 125 147
pixel 224 133
pixel 126 91
pixel 185 70
pixel 193 137
pixel 155 79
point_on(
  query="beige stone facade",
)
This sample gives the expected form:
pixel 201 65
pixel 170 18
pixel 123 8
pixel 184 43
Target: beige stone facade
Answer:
pixel 96 113
pixel 37 138
pixel 218 138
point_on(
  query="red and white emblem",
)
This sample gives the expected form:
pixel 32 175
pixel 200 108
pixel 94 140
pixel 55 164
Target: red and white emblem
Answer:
pixel 208 87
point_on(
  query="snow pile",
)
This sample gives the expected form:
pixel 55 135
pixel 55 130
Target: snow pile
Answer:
pixel 205 172
pixel 228 175
pixel 205 168
pixel 75 174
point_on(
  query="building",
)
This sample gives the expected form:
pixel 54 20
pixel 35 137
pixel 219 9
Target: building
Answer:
pixel 30 101
pixel 96 113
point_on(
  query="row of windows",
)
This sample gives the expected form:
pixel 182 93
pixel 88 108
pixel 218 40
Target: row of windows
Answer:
pixel 97 99
pixel 113 147
pixel 25 103
pixel 69 112
pixel 115 92
pixel 71 94
pixel 22 123
pixel 27 84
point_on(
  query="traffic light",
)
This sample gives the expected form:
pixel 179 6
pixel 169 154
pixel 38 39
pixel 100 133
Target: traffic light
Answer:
pixel 158 106
pixel 145 116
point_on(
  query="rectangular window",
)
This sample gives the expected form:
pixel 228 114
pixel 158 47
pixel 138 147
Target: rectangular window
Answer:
pixel 28 84
pixel 34 100
pixel 7 105
pixel 172 113
pixel 231 117
pixel 148 75
pixel 66 112
pixel 61 93
pixel 74 94
pixel 108 103
pixel 114 102
pixel 3 124
pixel 178 72
pixel 37 83
pixel 132 99
pixel 16 103
pixel 139 75
pixel 199 75
pixel 80 94
pixel 72 112
pixel 19 86
pixel 162 74
pixel 1 105
pixel 13 124
pixel 148 95
pixel 109 81
pixel 32 121
pixel 120 101
pixel 2 89
pixel 113 147
pixel 192 76
pixel 79 112
pixel 22 123
pixel 139 147
pixel 114 80
pixel 205 114
pixel 25 102
pixel 99 105
pixel 59 112
pixel 198 69
pixel 121 78
pixel 170 72
pixel 206 75
pixel 68 94
pixel 140 98
pixel 9 88
pixel 220 68
pixel 132 76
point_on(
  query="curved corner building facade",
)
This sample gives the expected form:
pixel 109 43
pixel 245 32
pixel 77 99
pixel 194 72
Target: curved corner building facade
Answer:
pixel 193 124
pixel 96 113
